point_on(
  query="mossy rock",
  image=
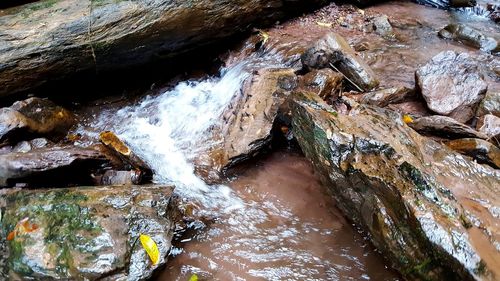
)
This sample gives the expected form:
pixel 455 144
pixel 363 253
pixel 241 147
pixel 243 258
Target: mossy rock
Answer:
pixel 84 233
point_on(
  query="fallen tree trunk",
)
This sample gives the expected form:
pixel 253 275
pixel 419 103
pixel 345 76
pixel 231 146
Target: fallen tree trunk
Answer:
pixel 51 39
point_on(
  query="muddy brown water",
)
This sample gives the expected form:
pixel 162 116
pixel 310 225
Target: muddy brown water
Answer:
pixel 303 236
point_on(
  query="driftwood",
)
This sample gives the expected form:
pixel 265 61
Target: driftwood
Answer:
pixel 51 39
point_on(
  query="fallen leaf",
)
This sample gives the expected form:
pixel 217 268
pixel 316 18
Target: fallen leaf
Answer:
pixel 193 277
pixel 151 248
pixel 22 227
pixel 407 119
pixel 324 24
pixel 264 36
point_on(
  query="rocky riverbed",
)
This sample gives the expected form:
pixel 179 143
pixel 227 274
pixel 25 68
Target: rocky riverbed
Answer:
pixel 347 143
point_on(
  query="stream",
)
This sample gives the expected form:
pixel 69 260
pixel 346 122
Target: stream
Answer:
pixel 274 220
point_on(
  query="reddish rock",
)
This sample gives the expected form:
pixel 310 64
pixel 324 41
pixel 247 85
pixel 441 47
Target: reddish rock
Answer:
pixel 452 85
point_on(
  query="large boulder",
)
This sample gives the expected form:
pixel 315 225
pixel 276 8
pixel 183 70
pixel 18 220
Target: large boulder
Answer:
pixel 84 233
pixel 49 40
pixel 248 120
pixel 333 50
pixel 452 85
pixel 50 165
pixel 34 117
pixel 431 211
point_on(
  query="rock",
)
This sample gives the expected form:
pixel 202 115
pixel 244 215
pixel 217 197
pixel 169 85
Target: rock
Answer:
pixel 34 117
pixel 489 125
pixel 382 26
pixel 52 165
pixel 113 177
pixel 123 152
pixel 247 121
pixel 490 104
pixel 469 36
pixel 332 49
pixel 85 233
pixel 414 108
pixel 326 83
pixel 26 146
pixel 412 195
pixel 452 85
pixel 388 96
pixel 49 40
pixel 481 150
pixel 446 127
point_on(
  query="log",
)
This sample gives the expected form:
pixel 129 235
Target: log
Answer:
pixel 51 39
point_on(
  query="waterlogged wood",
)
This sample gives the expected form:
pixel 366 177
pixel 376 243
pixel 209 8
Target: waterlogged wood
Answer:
pixel 50 39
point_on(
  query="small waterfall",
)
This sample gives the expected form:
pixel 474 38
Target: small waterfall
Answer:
pixel 167 131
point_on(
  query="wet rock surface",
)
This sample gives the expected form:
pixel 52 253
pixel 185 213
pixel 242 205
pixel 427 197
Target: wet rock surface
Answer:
pixel 326 83
pixel 480 150
pixel 410 193
pixel 452 85
pixel 34 117
pixel 249 119
pixel 383 98
pixel 139 170
pixel 50 39
pixel 490 104
pixel 470 36
pixel 444 126
pixel 489 125
pixel 333 49
pixel 53 165
pixel 84 233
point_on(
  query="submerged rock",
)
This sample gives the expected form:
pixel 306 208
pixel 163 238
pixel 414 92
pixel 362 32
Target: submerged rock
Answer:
pixel 470 36
pixel 480 150
pixel 452 85
pixel 490 104
pixel 412 195
pixel 84 233
pixel 443 126
pixel 52 165
pixel 332 49
pixel 34 117
pixel 382 26
pixel 388 96
pixel 326 83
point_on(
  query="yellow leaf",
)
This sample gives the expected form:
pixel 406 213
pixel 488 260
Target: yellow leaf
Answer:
pixel 264 36
pixel 193 277
pixel 407 119
pixel 151 248
pixel 324 24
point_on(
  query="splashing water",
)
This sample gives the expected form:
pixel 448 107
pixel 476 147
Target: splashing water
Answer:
pixel 169 130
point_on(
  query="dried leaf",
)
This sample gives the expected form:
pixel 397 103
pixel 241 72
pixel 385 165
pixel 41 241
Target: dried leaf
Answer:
pixel 264 36
pixel 324 24
pixel 22 227
pixel 151 248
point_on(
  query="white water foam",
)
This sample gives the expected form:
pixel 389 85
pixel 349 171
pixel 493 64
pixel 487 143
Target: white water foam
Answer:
pixel 167 131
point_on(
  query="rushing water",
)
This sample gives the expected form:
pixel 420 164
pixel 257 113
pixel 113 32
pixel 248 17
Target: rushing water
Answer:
pixel 273 226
